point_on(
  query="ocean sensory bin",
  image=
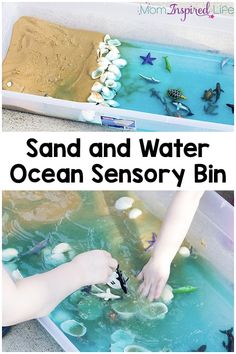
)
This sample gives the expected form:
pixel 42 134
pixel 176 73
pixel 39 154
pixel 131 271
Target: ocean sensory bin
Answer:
pixel 44 229
pixel 51 60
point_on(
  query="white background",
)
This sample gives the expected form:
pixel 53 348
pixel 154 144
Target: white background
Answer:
pixel 220 155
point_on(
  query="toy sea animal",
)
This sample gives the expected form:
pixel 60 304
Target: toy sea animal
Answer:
pixel 184 252
pixel 175 94
pixel 169 112
pixel 208 94
pixel 36 249
pixel 151 242
pixel 147 59
pixel 217 91
pixel 230 105
pixel 150 79
pixel 183 107
pixel 117 280
pixel 210 109
pixel 230 345
pixel 167 63
pixel 202 348
pixel 224 61
pixel 107 295
pixel 185 290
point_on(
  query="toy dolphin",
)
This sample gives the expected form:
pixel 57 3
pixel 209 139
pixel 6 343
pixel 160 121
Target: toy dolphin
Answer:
pixel 224 61
pixel 118 281
pixel 183 107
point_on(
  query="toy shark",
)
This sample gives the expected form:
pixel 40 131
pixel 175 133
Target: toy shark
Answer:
pixel 36 249
pixel 150 79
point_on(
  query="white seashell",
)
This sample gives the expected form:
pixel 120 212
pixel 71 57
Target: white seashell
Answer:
pixel 124 203
pixel 9 84
pixel 120 63
pixel 114 42
pixel 167 294
pixel 114 69
pixel 107 93
pixel 113 48
pixel 97 73
pixel 97 87
pixel 118 86
pixel 135 213
pixel 95 97
pixel 9 254
pixel 103 62
pixel 184 252
pixel 111 84
pixel 104 77
pixel 61 248
pixel 107 38
pixel 112 103
pixel 112 55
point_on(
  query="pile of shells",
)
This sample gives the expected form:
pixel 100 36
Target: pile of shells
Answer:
pixel 108 73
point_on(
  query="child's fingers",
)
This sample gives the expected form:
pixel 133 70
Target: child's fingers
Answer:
pixel 145 290
pixel 152 292
pixel 113 263
pixel 160 288
pixel 140 276
pixel 141 287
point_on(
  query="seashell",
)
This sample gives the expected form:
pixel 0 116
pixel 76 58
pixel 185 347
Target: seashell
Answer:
pixel 135 213
pixel 113 48
pixel 114 69
pixel 107 93
pixel 112 55
pixel 9 254
pixel 103 62
pixel 184 252
pixel 167 294
pixel 95 97
pixel 107 37
pixel 73 328
pixel 120 63
pixel 125 309
pixel 104 104
pixel 114 42
pixel 135 348
pixel 61 248
pixel 55 259
pixel 9 84
pixel 154 310
pixel 124 203
pixel 126 337
pixel 104 77
pixel 88 116
pixel 97 87
pixel 111 84
pixel 112 103
pixel 97 73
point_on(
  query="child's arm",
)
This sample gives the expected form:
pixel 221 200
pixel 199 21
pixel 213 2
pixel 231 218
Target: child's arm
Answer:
pixel 38 295
pixel 172 233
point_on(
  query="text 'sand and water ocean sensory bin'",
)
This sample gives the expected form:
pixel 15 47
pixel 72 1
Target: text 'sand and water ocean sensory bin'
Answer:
pixel 44 229
pixel 51 60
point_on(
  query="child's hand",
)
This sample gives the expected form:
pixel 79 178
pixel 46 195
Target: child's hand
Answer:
pixel 94 267
pixel 154 275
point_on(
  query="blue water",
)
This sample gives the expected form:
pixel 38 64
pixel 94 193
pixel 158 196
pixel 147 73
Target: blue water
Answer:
pixel 192 71
pixel 192 320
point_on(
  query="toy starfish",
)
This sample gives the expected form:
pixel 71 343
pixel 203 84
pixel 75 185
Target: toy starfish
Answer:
pixel 152 241
pixel 148 59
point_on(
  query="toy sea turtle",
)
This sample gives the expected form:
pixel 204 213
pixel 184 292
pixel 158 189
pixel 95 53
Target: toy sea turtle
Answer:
pixel 175 94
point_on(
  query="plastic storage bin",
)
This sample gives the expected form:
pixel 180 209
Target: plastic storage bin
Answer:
pixel 197 32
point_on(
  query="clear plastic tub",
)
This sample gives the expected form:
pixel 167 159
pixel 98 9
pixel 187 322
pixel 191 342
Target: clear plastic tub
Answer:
pixel 197 33
pixel 212 223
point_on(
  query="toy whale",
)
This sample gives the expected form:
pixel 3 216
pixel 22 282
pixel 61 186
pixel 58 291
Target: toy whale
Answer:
pixel 107 295
pixel 118 281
